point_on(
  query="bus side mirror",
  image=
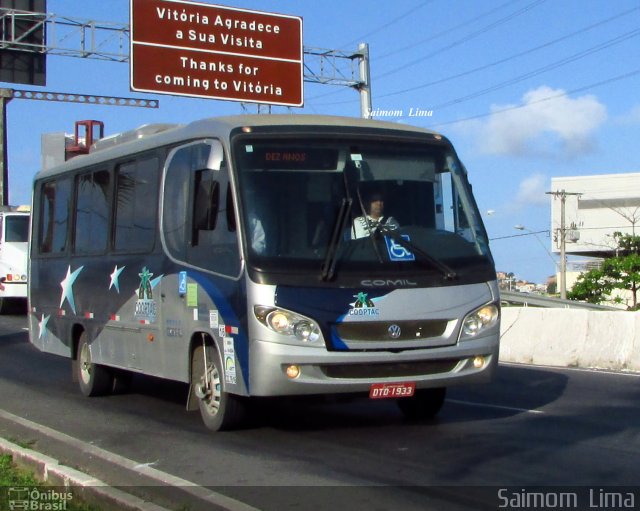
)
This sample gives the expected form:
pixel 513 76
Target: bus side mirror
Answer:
pixel 216 156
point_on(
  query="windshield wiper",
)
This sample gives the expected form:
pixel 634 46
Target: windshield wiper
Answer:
pixel 371 232
pixel 448 272
pixel 329 264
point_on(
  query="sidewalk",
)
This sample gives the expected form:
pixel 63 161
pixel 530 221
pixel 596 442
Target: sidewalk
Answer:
pixel 100 477
pixel 88 488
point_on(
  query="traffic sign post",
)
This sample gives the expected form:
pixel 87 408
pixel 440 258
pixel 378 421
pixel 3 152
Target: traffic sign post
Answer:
pixel 211 51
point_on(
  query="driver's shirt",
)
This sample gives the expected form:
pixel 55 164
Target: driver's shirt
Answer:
pixel 363 226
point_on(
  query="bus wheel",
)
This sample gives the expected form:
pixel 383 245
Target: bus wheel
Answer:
pixel 220 410
pixel 94 379
pixel 425 404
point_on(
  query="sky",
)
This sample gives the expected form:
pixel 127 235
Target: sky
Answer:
pixel 526 90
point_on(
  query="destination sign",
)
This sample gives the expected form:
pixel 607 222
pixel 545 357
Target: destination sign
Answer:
pixel 288 158
pixel 211 51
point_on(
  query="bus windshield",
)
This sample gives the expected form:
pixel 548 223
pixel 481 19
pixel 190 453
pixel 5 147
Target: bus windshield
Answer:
pixel 357 205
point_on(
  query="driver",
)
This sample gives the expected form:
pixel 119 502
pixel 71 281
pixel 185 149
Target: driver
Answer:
pixel 365 225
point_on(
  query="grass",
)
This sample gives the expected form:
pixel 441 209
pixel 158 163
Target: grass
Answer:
pixel 13 477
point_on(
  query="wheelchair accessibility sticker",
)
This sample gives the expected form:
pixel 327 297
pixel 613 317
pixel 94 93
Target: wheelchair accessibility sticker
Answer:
pixel 396 251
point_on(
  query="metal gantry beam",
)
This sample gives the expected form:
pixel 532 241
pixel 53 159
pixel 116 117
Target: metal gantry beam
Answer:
pixel 86 99
pixel 68 37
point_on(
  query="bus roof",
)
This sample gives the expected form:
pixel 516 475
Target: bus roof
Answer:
pixel 154 135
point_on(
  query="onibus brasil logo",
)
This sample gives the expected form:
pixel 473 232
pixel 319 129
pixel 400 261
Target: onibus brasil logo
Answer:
pixel 363 306
pixel 38 499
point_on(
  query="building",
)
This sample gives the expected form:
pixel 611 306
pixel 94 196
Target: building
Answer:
pixel 594 208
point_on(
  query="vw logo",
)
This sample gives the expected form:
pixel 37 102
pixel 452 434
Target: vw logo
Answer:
pixel 394 331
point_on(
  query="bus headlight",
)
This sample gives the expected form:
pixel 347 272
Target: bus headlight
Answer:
pixel 288 323
pixel 480 320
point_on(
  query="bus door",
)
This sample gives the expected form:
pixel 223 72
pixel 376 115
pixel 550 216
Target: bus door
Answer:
pixel 199 232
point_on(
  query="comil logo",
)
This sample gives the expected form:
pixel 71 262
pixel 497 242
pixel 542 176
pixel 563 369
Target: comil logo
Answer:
pixel 38 499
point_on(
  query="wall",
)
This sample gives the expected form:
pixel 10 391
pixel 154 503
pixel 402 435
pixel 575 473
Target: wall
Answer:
pixel 571 338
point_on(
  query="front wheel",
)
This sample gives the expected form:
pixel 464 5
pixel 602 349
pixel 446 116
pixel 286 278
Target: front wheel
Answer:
pixel 425 404
pixel 94 379
pixel 219 409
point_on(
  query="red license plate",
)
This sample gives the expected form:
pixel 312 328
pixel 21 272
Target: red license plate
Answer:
pixel 391 390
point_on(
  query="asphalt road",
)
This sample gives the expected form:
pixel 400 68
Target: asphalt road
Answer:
pixel 533 426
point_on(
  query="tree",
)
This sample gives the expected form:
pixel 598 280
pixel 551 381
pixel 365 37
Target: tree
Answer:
pixel 621 272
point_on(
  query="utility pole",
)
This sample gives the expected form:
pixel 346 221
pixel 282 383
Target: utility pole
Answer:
pixel 5 97
pixel 562 195
pixel 364 87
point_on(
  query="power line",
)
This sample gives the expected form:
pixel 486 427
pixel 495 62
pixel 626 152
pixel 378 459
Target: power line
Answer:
pixel 548 98
pixel 388 24
pixel 541 70
pixel 519 235
pixel 465 39
pixel 512 57
pixel 446 31
pixel 554 65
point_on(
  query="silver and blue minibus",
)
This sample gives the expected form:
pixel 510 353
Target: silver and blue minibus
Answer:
pixel 243 256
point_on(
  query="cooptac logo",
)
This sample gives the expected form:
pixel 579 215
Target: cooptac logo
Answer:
pixel 363 306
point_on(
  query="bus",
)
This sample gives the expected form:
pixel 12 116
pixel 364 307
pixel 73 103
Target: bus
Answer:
pixel 222 254
pixel 14 248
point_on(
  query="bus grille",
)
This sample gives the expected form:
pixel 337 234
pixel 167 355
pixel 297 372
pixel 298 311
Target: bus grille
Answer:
pixel 389 370
pixel 379 330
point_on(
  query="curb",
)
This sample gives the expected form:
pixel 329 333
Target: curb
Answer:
pixel 89 489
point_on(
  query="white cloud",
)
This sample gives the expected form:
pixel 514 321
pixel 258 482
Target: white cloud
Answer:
pixel 558 127
pixel 532 191
pixel 632 117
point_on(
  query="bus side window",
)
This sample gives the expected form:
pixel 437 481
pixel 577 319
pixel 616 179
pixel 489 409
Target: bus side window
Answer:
pixel 136 203
pixel 206 203
pixel 54 216
pixel 231 212
pixel 93 192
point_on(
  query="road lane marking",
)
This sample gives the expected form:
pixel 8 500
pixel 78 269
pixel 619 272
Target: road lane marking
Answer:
pixel 497 407
pixel 218 499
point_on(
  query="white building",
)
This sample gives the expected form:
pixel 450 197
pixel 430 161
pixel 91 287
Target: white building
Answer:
pixel 595 207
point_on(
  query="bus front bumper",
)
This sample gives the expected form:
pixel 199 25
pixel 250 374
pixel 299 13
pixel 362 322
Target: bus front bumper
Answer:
pixel 323 372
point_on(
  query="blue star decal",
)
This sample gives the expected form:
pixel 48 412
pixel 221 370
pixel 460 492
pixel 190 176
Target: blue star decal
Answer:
pixel 67 288
pixel 42 326
pixel 115 275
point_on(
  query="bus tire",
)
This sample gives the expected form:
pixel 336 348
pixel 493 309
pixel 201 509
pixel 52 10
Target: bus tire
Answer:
pixel 94 379
pixel 425 404
pixel 122 381
pixel 220 410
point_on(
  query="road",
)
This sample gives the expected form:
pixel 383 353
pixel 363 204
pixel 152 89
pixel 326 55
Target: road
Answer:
pixel 533 426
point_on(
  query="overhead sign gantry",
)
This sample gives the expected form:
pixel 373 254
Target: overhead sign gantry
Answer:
pixel 211 51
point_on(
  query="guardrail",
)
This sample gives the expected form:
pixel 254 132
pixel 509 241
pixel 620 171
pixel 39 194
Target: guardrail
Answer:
pixel 534 300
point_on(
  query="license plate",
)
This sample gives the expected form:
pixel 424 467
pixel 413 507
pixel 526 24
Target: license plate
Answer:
pixel 391 390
